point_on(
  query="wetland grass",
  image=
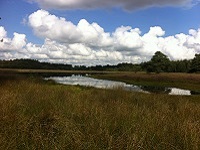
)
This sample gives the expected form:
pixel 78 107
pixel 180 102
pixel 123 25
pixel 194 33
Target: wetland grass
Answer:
pixel 36 114
pixel 179 80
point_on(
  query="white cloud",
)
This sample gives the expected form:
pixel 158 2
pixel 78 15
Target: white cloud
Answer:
pixel 49 26
pixel 125 4
pixel 88 44
pixel 3 32
pixel 17 43
pixel 80 49
pixel 127 38
pixel 193 41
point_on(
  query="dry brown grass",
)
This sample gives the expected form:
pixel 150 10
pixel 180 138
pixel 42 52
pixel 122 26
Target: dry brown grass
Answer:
pixel 38 115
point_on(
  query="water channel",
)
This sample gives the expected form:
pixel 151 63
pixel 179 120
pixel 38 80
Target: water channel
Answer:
pixel 107 84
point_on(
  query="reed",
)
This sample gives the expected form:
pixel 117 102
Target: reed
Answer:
pixel 43 115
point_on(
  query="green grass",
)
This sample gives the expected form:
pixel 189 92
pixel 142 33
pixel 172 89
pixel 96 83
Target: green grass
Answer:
pixel 35 114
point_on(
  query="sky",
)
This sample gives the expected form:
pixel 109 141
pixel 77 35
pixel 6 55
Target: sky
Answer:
pixel 99 32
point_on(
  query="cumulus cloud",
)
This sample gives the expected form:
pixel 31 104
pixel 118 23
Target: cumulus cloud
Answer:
pixel 49 26
pixel 3 32
pixel 125 4
pixel 88 44
pixel 8 44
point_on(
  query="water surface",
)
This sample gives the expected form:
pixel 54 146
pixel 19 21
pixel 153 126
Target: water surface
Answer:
pixel 107 84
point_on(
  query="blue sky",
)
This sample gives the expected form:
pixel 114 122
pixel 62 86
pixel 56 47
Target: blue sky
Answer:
pixel 167 19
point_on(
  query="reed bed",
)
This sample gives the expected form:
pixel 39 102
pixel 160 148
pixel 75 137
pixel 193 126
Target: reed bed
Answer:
pixel 36 114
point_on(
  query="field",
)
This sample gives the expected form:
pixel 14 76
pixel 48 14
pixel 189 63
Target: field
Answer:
pixel 37 114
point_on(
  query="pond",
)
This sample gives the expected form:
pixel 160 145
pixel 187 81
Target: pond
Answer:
pixel 107 84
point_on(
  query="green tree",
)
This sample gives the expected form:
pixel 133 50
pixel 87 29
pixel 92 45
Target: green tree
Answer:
pixel 195 65
pixel 158 63
pixel 179 66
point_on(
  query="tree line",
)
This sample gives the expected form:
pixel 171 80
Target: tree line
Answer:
pixel 161 63
pixel 32 64
pixel 158 63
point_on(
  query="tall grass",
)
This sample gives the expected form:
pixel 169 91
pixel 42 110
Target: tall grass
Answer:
pixel 38 115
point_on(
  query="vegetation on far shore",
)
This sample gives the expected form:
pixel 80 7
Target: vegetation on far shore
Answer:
pixel 179 80
pixel 158 63
pixel 38 114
